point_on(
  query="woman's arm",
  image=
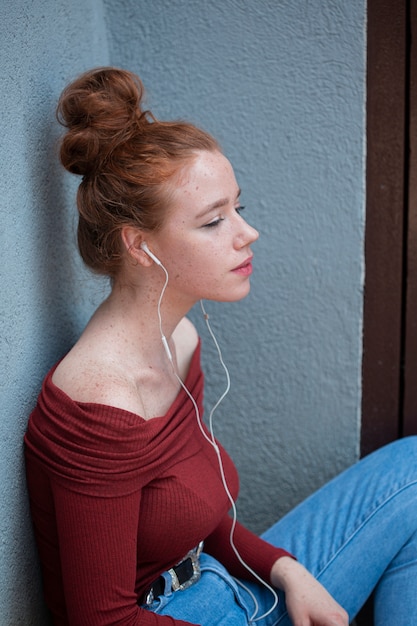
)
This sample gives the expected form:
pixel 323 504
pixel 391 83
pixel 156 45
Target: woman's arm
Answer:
pixel 97 539
pixel 258 554
pixel 308 603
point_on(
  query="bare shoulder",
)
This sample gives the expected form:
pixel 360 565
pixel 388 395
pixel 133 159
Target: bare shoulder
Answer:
pixel 89 375
pixel 97 380
pixel 84 378
pixel 186 333
pixel 185 339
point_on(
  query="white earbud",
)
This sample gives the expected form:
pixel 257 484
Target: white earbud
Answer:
pixel 150 254
pixel 145 248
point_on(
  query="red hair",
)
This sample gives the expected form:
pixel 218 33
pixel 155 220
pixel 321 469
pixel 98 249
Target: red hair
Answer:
pixel 126 157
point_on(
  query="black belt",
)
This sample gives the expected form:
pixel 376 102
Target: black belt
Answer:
pixel 183 575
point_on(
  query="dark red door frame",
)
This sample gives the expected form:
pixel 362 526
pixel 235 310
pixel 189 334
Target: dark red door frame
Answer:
pixel 409 416
pixel 389 394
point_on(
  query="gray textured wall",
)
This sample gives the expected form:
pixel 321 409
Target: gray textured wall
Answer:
pixel 45 296
pixel 281 84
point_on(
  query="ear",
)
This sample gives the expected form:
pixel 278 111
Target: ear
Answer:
pixel 131 239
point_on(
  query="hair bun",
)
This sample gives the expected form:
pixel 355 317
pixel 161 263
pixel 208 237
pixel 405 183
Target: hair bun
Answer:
pixel 100 109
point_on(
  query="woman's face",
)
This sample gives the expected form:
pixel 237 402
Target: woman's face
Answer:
pixel 205 242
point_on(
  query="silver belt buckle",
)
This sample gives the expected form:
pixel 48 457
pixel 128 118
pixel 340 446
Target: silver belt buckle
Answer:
pixel 194 555
pixel 149 598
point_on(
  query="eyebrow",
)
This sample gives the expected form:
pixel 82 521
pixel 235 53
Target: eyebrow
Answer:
pixel 216 205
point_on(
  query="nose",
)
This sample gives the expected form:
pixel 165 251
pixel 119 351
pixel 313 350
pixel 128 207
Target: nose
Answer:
pixel 246 234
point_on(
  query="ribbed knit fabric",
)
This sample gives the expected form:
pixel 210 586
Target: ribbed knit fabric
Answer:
pixel 116 500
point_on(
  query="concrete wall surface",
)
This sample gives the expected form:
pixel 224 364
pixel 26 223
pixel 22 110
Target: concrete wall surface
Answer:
pixel 46 297
pixel 281 84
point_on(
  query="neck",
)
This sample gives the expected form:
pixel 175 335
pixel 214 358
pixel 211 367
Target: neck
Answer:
pixel 131 315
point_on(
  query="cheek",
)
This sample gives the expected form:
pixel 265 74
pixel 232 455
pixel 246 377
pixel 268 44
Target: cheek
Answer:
pixel 196 271
pixel 191 273
pixel 185 258
pixel 194 263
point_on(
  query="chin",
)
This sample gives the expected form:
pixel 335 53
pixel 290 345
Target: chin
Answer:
pixel 235 297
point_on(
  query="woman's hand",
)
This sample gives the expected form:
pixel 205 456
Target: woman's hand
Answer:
pixel 308 602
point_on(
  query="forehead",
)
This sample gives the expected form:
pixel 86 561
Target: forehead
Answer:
pixel 204 180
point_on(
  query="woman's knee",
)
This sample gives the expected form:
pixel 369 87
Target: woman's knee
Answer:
pixel 396 462
pixel 400 449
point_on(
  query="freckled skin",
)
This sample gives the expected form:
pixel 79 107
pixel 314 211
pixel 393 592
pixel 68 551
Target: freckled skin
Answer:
pixel 200 258
pixel 119 358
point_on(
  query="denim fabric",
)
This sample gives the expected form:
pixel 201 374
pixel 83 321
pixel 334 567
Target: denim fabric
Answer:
pixel 214 599
pixel 357 533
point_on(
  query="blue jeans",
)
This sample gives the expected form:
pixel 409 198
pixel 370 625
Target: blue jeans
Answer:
pixel 356 534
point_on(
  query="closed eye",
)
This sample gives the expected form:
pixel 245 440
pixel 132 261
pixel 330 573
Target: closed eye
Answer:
pixel 217 221
pixel 214 223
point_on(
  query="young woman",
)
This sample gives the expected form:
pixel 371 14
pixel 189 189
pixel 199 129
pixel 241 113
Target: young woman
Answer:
pixel 125 481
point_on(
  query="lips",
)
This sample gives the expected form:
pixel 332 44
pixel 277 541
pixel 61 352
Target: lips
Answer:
pixel 244 264
pixel 245 267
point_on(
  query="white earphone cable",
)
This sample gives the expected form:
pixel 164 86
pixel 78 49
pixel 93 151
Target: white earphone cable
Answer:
pixel 212 441
pixel 254 617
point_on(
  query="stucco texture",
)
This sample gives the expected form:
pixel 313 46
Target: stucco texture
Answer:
pixel 281 84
